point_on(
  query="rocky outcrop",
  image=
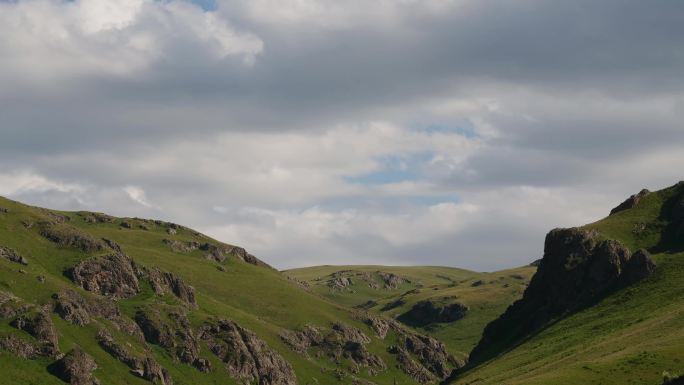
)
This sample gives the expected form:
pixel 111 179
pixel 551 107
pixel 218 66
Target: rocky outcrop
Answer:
pixel 409 366
pixel 147 368
pixel 339 283
pixel 40 326
pixel 391 280
pixel 96 217
pixel 172 331
pixel 181 247
pixel 247 358
pixel 21 348
pixel 112 275
pixel 578 269
pixel 423 358
pixel 342 341
pixel 12 255
pixel 427 312
pixel 75 368
pixel 69 236
pixel 77 310
pixel 630 202
pixel 163 282
pixel 112 245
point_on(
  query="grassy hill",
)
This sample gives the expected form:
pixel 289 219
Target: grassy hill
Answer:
pixel 238 288
pixel 486 295
pixel 634 335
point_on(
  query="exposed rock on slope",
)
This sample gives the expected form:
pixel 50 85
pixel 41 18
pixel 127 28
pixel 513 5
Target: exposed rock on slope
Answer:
pixel 12 255
pixel 170 330
pixel 578 269
pixel 426 312
pixel 76 368
pixel 146 367
pixel 247 357
pixel 163 282
pixel 40 326
pixel 77 310
pixel 69 236
pixel 113 275
pixel 630 202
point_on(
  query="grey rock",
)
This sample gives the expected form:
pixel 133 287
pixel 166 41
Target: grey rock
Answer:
pixel 12 255
pixel 112 275
pixel 75 368
pixel 630 202
pixel 247 358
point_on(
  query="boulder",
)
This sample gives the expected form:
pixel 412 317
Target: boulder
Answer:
pixel 112 275
pixel 75 368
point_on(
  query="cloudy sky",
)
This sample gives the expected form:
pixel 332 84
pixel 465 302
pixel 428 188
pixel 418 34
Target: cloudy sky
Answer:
pixel 443 132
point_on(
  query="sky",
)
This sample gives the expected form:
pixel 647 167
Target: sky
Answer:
pixel 405 132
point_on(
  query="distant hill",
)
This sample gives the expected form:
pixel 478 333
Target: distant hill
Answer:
pixel 450 304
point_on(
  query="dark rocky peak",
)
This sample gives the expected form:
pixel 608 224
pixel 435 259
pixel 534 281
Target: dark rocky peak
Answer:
pixel 577 270
pixel 630 202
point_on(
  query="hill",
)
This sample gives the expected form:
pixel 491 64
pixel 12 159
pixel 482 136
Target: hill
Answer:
pixel 450 304
pixel 605 307
pixel 87 298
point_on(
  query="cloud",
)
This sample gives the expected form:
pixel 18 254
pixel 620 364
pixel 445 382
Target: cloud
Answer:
pixel 312 131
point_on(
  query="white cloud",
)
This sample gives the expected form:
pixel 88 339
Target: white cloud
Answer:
pixel 50 39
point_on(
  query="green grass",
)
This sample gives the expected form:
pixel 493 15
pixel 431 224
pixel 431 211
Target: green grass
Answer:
pixel 443 285
pixel 632 336
pixel 258 298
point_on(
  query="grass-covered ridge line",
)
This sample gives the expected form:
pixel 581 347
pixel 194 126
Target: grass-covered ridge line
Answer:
pixel 257 297
pixel 634 335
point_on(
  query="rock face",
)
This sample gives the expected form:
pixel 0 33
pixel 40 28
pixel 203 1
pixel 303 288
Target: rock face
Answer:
pixel 247 358
pixel 40 326
pixel 77 310
pixel 163 282
pixel 172 331
pixel 69 236
pixel 578 269
pixel 22 348
pixel 427 312
pixel 146 368
pixel 112 275
pixel 391 280
pixel 12 255
pixel 339 283
pixel 75 368
pixel 630 202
